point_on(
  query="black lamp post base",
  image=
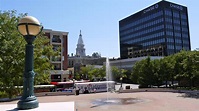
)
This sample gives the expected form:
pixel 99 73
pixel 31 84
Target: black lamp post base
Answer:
pixel 28 103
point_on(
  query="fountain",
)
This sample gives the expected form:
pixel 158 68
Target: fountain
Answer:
pixel 112 101
pixel 115 101
pixel 108 73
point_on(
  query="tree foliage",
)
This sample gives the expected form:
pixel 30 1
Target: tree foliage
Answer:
pixel 94 74
pixel 12 54
pixel 182 67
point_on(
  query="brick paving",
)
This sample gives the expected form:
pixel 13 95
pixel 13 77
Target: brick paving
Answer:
pixel 150 101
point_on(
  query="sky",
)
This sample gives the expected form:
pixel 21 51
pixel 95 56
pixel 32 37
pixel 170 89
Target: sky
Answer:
pixel 98 20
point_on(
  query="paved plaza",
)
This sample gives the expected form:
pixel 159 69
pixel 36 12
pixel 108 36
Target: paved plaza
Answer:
pixel 53 106
pixel 148 101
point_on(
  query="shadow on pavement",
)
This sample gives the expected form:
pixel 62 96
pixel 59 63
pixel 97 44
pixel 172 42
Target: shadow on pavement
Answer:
pixel 13 109
pixel 190 95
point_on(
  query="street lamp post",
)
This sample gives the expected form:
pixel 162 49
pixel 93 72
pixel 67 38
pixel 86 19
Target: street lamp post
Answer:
pixel 121 82
pixel 29 27
pixel 73 83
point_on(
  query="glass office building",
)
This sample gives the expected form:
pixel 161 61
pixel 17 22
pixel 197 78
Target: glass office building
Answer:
pixel 161 29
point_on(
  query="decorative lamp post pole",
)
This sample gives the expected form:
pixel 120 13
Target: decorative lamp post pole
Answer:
pixel 29 27
pixel 73 83
pixel 121 82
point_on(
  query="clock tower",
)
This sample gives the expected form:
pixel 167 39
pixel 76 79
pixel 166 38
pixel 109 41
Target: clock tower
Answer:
pixel 80 50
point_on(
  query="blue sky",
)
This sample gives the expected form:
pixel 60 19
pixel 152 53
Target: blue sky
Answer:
pixel 97 19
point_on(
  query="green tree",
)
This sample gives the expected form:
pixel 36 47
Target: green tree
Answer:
pixel 11 65
pixel 147 73
pixel 12 54
pixel 92 73
pixel 136 71
pixel 84 72
pixel 42 63
pixel 116 73
pixel 143 72
pixel 164 70
pixel 190 66
pixel 102 72
pixel 156 72
pixel 182 66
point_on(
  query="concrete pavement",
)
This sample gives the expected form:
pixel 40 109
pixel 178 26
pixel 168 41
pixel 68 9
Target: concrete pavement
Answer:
pixel 150 101
pixel 53 106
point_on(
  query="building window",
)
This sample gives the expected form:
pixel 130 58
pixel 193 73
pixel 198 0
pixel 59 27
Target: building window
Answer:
pixel 177 29
pixel 56 39
pixel 139 21
pixel 177 34
pixel 167 12
pixel 169 20
pixel 169 33
pixel 56 47
pixel 57 66
pixel 56 58
pixel 184 29
pixel 178 47
pixel 183 16
pixel 170 47
pixel 176 14
pixel 169 26
pixel 184 23
pixel 176 21
pixel 185 35
pixel 170 40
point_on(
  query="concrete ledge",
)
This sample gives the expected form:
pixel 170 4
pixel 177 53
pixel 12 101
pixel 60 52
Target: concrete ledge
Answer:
pixel 38 95
pixel 148 90
pixel 55 106
pixel 53 93
pixel 8 99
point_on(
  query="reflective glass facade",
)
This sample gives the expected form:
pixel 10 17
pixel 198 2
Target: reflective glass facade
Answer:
pixel 158 30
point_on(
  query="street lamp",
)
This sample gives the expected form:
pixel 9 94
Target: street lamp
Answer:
pixel 73 83
pixel 29 27
pixel 121 82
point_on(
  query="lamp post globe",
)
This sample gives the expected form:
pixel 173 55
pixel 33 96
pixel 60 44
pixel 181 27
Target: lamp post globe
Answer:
pixel 29 27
